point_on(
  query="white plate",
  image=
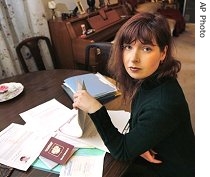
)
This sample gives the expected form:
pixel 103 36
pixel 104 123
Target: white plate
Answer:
pixel 14 89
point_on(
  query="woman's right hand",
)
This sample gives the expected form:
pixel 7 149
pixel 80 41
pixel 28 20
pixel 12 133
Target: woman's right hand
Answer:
pixel 84 101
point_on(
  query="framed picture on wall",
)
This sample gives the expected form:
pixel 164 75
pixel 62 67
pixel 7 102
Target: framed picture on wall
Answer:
pixel 80 6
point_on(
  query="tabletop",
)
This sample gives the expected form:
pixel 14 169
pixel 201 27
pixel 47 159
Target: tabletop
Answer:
pixel 42 86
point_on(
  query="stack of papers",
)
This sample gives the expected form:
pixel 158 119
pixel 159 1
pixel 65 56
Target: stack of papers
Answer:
pixel 42 122
pixel 20 146
pixel 96 85
pixel 53 119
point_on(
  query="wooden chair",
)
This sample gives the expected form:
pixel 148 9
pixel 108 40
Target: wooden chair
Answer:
pixel 34 46
pixel 103 55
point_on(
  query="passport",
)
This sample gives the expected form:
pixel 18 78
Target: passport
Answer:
pixel 57 150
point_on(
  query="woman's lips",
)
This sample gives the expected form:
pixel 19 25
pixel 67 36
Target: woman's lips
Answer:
pixel 134 69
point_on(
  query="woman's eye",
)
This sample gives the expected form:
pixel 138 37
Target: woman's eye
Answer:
pixel 127 47
pixel 147 49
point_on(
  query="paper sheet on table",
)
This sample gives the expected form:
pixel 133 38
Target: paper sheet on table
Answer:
pixel 85 162
pixel 20 147
pixel 48 117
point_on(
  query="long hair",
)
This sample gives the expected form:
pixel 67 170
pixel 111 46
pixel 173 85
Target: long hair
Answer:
pixel 146 28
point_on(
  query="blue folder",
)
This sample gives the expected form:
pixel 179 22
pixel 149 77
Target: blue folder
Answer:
pixel 94 85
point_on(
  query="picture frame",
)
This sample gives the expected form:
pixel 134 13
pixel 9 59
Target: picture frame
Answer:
pixel 80 6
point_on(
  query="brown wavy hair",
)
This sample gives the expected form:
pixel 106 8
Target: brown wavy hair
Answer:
pixel 146 28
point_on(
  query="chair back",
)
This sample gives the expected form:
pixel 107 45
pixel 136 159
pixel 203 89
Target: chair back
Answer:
pixel 34 46
pixel 103 55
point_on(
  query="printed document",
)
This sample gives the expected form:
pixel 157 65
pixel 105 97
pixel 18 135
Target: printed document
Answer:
pixel 85 162
pixel 20 147
pixel 48 116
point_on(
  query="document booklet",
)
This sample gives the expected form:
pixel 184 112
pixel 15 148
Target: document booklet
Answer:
pixel 76 126
pixel 96 85
pixel 57 151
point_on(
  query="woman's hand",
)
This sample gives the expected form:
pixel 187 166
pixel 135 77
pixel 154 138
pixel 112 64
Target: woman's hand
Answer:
pixel 84 101
pixel 150 156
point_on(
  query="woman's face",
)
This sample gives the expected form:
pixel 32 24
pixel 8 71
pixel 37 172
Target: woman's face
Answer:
pixel 142 60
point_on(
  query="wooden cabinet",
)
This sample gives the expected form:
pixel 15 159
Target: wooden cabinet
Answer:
pixel 66 36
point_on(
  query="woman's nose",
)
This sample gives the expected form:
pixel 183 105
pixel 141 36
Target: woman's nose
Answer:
pixel 135 55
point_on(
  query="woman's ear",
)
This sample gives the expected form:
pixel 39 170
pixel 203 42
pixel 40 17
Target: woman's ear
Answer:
pixel 163 53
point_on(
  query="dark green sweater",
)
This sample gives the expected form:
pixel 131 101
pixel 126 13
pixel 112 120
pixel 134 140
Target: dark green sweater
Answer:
pixel 160 120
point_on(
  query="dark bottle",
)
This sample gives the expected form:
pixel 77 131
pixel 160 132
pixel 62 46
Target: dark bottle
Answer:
pixel 91 4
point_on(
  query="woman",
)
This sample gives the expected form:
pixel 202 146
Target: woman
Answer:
pixel 160 141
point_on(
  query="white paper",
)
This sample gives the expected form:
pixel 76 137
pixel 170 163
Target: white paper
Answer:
pixel 28 140
pixel 48 116
pixel 75 142
pixel 73 126
pixel 119 118
pixel 104 80
pixel 84 166
pixel 20 147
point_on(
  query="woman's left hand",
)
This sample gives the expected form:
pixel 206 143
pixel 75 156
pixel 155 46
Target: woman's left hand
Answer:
pixel 150 156
pixel 84 101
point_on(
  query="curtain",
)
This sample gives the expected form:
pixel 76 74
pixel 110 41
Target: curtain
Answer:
pixel 19 19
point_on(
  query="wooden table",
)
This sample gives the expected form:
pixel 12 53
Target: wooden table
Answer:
pixel 42 86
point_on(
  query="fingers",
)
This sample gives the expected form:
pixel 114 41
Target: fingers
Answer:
pixel 84 101
pixel 76 99
pixel 81 100
pixel 78 95
pixel 150 157
pixel 153 160
pixel 74 105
